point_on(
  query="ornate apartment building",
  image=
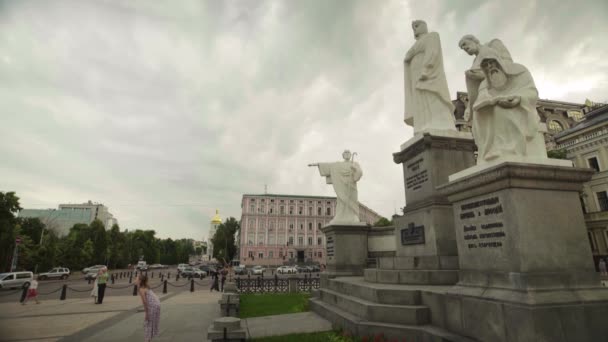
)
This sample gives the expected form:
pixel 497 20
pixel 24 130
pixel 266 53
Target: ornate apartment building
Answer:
pixel 586 144
pixel 286 229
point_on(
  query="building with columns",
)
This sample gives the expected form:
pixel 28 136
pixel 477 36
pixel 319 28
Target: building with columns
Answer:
pixel 286 229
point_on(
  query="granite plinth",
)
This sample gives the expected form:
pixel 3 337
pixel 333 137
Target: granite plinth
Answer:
pixel 346 248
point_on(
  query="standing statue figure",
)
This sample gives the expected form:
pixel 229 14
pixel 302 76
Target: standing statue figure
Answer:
pixel 505 122
pixel 344 176
pixel 427 98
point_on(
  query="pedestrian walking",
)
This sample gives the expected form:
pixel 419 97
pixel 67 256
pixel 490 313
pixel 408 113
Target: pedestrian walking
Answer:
pixel 602 266
pixel 102 280
pixel 215 282
pixel 32 292
pixel 151 308
pixel 95 290
pixel 224 272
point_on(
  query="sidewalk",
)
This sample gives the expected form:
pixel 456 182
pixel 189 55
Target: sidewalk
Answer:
pixel 53 319
pixel 184 317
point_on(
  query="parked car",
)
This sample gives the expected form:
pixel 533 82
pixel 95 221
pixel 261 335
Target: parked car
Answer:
pixel 302 269
pixel 13 280
pixel 315 268
pixel 192 272
pixel 181 267
pixel 241 270
pixel 258 270
pixel 286 270
pixel 90 269
pixel 55 273
pixel 156 266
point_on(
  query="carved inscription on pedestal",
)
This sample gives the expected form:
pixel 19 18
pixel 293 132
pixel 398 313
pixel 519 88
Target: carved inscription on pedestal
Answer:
pixel 482 222
pixel 419 175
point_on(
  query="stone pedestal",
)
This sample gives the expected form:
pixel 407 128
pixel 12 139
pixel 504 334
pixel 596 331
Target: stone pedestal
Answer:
pixel 424 235
pixel 226 329
pixel 526 269
pixel 346 252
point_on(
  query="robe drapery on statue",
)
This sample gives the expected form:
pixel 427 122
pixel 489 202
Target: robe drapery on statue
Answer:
pixel 500 131
pixel 427 102
pixel 344 177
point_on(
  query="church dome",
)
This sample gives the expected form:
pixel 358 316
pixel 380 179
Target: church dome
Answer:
pixel 216 219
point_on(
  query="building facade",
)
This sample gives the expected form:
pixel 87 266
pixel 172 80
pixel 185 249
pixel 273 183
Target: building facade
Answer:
pixel 286 229
pixel 62 219
pixel 586 145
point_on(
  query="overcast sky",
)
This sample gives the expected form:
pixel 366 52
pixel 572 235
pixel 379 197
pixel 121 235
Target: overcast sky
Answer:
pixel 166 110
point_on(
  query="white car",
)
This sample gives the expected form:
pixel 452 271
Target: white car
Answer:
pixel 181 267
pixel 286 270
pixel 13 280
pixel 55 273
pixel 92 269
pixel 258 270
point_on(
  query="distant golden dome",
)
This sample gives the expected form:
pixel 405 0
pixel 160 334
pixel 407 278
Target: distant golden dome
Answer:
pixel 216 219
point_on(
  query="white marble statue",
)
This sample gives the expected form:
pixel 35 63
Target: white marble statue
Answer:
pixel 505 122
pixel 344 176
pixel 427 98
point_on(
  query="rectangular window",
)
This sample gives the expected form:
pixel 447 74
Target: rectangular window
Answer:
pixel 593 163
pixel 270 210
pixel 328 211
pixel 602 200
pixel 309 225
pixel 309 211
pixel 310 240
pixel 320 254
pixel 301 226
pixel 270 254
pixel 260 239
pixel 282 210
pixel 300 240
pixel 261 255
pixel 290 241
pixel 300 211
pixel 290 210
pixel 252 208
pixel 281 240
pixel 319 225
pixel 251 254
pixel 319 211
pixel 319 241
pixel 271 240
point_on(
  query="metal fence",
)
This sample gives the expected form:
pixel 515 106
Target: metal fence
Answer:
pixel 277 285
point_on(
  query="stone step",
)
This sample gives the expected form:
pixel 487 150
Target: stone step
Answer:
pixel 360 327
pixel 374 292
pixel 414 277
pixel 418 263
pixel 400 314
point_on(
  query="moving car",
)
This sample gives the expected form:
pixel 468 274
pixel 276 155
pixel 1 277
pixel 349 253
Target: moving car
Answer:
pixel 157 266
pixel 13 280
pixel 258 270
pixel 142 266
pixel 91 269
pixel 242 270
pixel 286 270
pixel 181 267
pixel 55 273
pixel 192 272
pixel 208 269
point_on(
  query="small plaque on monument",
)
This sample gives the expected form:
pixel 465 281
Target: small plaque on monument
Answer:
pixel 330 246
pixel 412 235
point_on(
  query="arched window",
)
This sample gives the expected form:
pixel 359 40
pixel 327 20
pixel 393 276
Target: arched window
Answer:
pixel 555 126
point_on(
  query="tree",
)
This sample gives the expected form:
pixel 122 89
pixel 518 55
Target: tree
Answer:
pixel 9 206
pixel 383 222
pixel 224 238
pixel 557 154
pixel 100 242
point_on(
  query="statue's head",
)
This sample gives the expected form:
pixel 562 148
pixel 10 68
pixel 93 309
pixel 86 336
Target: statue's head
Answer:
pixel 470 44
pixel 420 28
pixel 495 74
pixel 346 155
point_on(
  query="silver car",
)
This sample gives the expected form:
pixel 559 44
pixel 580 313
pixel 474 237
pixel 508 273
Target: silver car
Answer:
pixel 14 280
pixel 257 270
pixel 55 273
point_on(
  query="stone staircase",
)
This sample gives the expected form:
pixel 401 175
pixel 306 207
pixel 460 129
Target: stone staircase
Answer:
pixel 394 310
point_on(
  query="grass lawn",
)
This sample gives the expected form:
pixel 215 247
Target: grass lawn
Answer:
pixel 256 305
pixel 311 337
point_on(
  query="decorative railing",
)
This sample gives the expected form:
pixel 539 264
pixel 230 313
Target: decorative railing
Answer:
pixel 277 284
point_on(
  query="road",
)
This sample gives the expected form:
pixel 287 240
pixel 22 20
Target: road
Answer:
pixel 78 287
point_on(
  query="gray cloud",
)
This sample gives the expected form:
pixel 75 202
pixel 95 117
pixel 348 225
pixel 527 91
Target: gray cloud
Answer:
pixel 166 111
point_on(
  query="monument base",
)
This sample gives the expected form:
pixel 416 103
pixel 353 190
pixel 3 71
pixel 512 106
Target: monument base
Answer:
pixel 346 244
pixel 526 269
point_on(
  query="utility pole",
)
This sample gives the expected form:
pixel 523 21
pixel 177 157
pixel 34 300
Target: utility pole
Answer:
pixel 15 254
